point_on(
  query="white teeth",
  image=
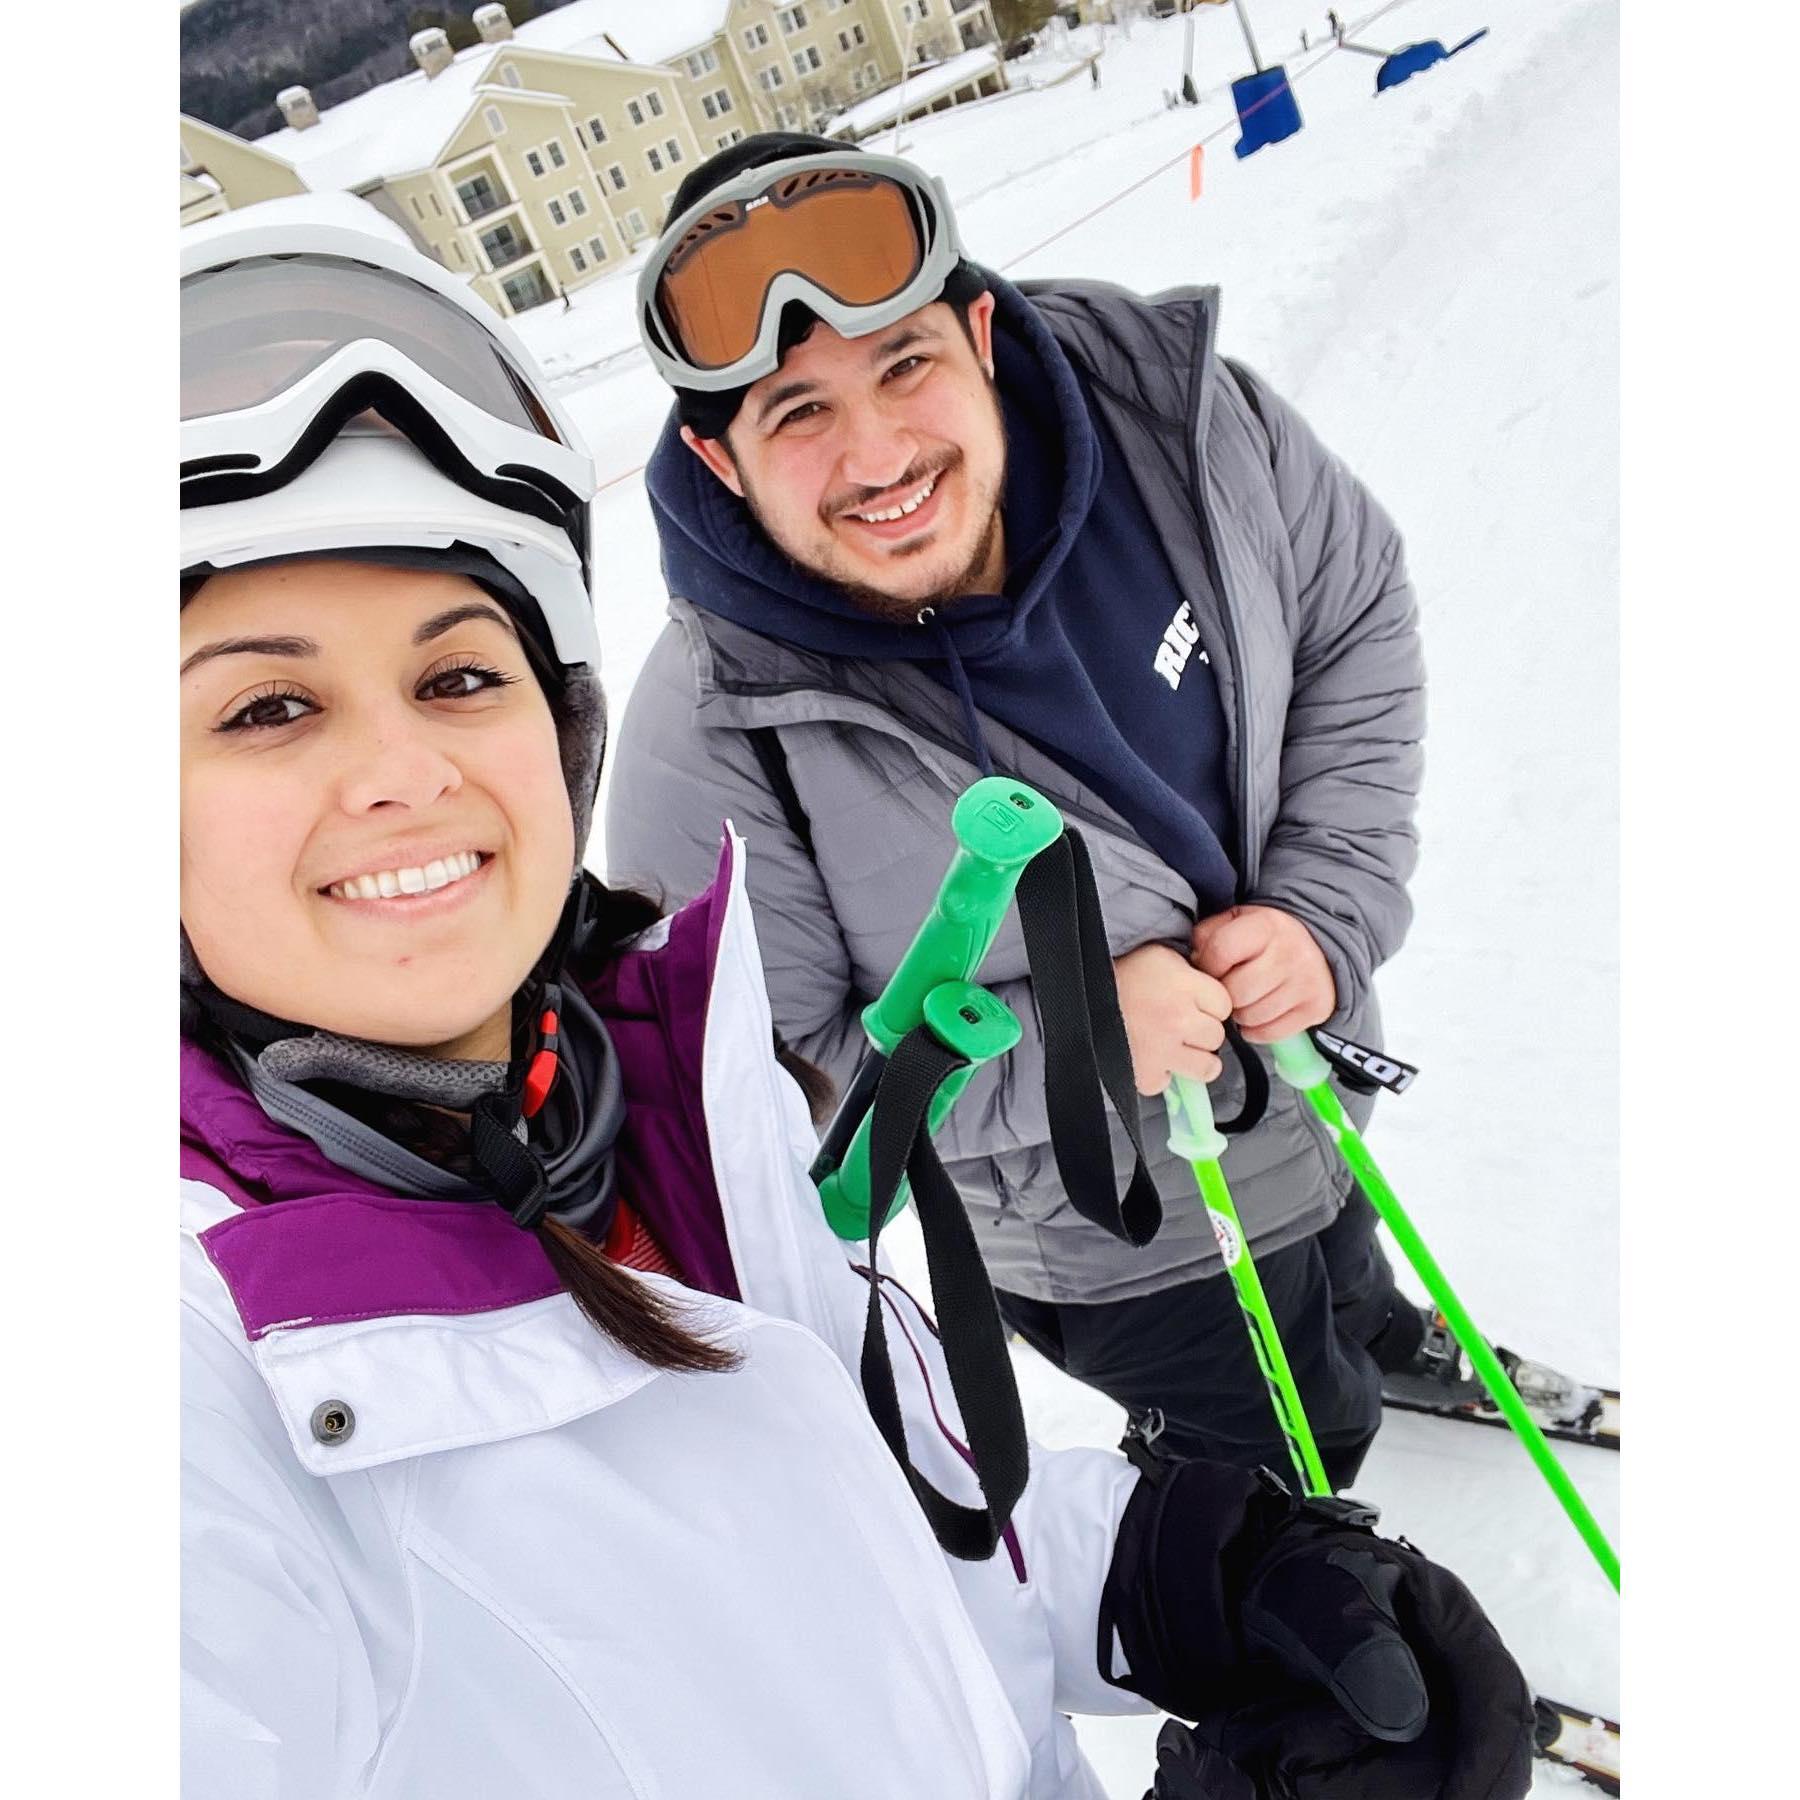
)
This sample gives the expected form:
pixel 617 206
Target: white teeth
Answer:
pixel 903 509
pixel 387 883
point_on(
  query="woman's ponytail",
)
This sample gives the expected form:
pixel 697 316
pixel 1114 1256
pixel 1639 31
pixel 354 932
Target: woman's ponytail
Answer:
pixel 635 1315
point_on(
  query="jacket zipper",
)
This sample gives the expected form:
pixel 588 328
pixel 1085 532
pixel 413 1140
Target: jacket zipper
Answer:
pixel 1239 700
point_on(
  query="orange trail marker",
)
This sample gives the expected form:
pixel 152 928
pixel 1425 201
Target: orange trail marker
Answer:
pixel 1194 172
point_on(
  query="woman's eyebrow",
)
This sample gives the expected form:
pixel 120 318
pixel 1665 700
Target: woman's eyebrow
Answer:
pixel 439 623
pixel 251 646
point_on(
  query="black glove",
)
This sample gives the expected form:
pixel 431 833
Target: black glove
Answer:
pixel 1318 1661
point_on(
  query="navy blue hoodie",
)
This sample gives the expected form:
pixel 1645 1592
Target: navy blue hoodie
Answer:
pixel 1090 652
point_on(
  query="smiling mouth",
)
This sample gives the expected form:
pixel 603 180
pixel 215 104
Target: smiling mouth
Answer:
pixel 902 508
pixel 396 884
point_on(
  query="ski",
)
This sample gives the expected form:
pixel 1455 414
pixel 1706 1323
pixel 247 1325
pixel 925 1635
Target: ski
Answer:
pixel 1440 1381
pixel 1581 1741
pixel 1598 1425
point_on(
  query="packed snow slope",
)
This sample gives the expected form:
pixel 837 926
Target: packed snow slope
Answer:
pixel 1431 275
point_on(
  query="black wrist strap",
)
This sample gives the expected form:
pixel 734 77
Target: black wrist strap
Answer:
pixel 974 1341
pixel 1086 1052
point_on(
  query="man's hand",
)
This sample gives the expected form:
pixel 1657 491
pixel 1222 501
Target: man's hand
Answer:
pixel 1174 1016
pixel 1272 968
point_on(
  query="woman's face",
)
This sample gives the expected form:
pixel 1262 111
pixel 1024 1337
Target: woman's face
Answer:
pixel 375 834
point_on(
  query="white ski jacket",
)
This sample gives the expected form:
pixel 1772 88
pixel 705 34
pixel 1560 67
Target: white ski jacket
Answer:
pixel 445 1541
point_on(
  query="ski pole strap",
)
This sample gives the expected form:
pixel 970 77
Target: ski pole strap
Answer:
pixel 1086 1052
pixel 981 1372
pixel 1256 1086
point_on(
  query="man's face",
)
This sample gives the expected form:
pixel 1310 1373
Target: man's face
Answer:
pixel 878 461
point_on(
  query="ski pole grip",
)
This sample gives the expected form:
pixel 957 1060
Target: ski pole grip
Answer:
pixel 1298 1062
pixel 965 1018
pixel 1191 1130
pixel 1000 825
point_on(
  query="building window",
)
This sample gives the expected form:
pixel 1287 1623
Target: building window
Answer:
pixel 535 163
pixel 771 78
pixel 597 250
pixel 653 157
pixel 805 61
pixel 634 110
pixel 634 224
pixel 557 215
pixel 418 210
pixel 673 147
pixel 503 245
pixel 596 131
pixel 437 206
pixel 733 136
pixel 793 18
pixel 871 74
pixel 526 290
pixel 456 250
pixel 495 123
pixel 555 152
pixel 853 39
pixel 702 62
pixel 756 37
pixel 577 261
pixel 510 76
pixel 616 175
pixel 577 202
pixel 653 100
pixel 716 106
pixel 788 117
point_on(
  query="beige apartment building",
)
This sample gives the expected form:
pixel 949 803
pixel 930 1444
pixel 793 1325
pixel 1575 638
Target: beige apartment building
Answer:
pixel 534 161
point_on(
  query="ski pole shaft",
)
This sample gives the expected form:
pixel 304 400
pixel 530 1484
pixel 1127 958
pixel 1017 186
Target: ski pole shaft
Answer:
pixel 1192 1134
pixel 1300 1065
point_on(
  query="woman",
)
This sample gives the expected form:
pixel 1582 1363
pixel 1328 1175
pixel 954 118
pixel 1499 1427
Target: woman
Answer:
pixel 524 1449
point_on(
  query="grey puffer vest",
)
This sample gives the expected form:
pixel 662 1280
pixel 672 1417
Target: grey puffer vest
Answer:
pixel 1319 672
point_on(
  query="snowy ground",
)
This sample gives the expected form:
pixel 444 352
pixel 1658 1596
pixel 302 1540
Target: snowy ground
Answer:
pixel 1432 276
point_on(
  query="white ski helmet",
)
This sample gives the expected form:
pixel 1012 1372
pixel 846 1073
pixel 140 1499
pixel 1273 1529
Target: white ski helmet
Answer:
pixel 342 392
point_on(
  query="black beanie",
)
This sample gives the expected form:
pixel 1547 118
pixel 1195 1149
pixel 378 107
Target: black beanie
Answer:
pixel 709 415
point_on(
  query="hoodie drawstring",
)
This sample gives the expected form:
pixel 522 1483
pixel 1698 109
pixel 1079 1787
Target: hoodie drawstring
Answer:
pixel 959 676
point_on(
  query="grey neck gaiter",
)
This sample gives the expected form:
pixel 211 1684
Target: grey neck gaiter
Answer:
pixel 573 1136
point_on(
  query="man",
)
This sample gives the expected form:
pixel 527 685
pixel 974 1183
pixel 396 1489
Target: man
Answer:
pixel 919 524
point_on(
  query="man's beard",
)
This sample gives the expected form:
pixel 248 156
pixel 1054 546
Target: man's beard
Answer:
pixel 895 609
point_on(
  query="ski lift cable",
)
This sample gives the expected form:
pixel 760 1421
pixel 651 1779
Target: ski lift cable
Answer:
pixel 1181 156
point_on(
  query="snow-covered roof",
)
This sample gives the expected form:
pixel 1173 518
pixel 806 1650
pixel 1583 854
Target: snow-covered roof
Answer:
pixel 646 33
pixel 920 87
pixel 390 130
pixel 403 125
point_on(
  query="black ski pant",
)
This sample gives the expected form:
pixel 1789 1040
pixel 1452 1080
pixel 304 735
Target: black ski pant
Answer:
pixel 1186 1350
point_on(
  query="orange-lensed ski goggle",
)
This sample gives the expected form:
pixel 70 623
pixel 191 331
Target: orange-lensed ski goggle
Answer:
pixel 860 240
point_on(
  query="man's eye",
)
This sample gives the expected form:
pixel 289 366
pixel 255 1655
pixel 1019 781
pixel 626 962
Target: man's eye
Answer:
pixel 264 712
pixel 803 412
pixel 905 366
pixel 461 680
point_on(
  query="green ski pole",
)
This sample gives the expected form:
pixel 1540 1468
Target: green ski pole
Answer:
pixel 1300 1065
pixel 1192 1134
pixel 999 825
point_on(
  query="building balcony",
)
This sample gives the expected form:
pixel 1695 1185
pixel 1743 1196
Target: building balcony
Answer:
pixel 478 206
pixel 502 253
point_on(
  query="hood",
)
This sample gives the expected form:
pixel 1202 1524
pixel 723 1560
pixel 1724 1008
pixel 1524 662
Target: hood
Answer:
pixel 717 557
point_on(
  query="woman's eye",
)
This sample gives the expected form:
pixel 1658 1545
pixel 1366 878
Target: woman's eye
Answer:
pixel 264 712
pixel 460 682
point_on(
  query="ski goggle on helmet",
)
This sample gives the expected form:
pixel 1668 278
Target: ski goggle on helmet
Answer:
pixel 342 391
pixel 860 240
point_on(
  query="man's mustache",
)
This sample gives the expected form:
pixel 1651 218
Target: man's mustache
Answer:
pixel 867 499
